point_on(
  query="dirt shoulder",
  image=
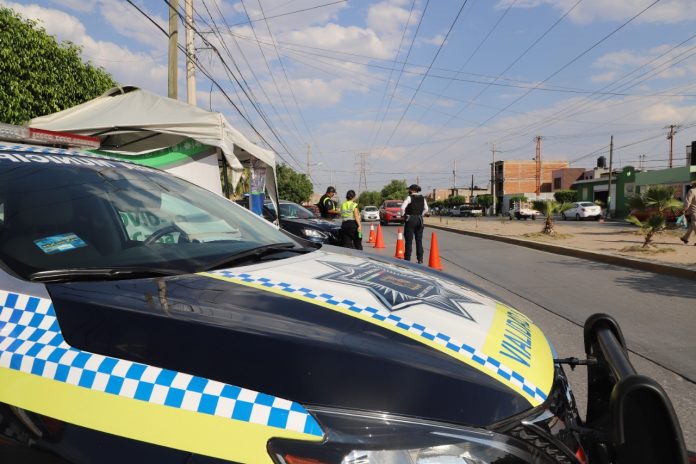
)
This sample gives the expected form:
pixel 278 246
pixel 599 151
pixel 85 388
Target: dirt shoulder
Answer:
pixel 608 238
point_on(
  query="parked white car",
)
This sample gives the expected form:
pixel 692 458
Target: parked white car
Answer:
pixel 583 210
pixel 370 213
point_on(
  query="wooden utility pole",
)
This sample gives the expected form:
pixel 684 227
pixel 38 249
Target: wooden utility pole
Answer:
pixel 537 159
pixel 611 159
pixel 670 137
pixel 173 42
pixel 190 56
pixel 493 208
pixel 471 193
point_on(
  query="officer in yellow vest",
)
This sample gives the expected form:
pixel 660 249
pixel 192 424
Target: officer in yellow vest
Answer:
pixel 351 230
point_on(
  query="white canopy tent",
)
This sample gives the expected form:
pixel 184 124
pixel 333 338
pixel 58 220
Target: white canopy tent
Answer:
pixel 133 121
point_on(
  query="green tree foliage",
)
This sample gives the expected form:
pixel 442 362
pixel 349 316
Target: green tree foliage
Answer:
pixel 565 196
pixel 456 200
pixel 485 200
pixel 395 190
pixel 369 199
pixel 40 76
pixel 548 208
pixel 293 186
pixel 659 199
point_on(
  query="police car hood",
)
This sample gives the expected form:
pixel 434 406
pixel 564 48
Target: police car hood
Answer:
pixel 325 329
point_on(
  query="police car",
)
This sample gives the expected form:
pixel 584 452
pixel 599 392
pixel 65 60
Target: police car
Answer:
pixel 144 319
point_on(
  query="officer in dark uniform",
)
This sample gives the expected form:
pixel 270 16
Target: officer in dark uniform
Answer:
pixel 413 208
pixel 327 207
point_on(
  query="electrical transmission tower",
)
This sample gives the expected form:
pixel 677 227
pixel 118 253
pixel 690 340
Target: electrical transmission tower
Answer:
pixel 361 165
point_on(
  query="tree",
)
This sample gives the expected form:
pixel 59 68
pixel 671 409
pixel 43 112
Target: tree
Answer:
pixel 565 196
pixel 485 200
pixel 456 200
pixel 293 186
pixel 395 190
pixel 40 76
pixel 658 199
pixel 369 198
pixel 549 208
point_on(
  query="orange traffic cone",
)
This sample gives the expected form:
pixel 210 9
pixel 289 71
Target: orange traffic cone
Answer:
pixel 379 241
pixel 400 249
pixel 372 234
pixel 434 260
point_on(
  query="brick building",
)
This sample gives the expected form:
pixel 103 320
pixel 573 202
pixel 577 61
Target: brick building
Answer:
pixel 564 178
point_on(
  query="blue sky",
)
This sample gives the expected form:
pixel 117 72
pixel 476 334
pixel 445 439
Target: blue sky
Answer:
pixel 509 70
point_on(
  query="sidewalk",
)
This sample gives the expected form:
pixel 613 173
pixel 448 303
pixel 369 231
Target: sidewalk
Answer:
pixel 612 242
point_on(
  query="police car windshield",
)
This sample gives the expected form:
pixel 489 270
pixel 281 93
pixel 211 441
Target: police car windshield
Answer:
pixel 66 211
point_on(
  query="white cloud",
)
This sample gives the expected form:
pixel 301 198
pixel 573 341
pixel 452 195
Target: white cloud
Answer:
pixel 437 40
pixel 656 63
pixel 78 5
pixel 130 23
pixel 667 11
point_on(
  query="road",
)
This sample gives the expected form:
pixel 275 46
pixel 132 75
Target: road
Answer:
pixel 657 313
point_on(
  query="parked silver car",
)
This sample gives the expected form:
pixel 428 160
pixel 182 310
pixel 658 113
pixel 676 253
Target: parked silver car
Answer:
pixel 370 213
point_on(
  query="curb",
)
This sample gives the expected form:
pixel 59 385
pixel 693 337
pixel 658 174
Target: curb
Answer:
pixel 676 271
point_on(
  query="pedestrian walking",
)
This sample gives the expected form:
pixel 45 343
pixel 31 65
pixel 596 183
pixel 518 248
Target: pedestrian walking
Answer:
pixel 351 229
pixel 413 208
pixel 690 213
pixel 327 206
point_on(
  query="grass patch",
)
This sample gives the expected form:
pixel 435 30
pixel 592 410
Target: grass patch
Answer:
pixel 545 236
pixel 646 250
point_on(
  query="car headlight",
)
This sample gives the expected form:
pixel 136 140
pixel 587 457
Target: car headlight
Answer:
pixel 313 233
pixel 374 438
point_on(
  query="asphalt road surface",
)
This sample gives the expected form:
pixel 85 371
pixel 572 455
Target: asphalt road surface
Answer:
pixel 657 313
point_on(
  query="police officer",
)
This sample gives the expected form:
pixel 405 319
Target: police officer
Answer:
pixel 413 208
pixel 327 206
pixel 351 229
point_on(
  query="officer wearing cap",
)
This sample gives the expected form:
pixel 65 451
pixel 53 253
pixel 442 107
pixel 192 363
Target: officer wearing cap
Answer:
pixel 413 208
pixel 327 207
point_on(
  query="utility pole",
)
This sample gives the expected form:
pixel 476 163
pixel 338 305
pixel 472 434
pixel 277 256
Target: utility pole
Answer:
pixel 173 42
pixel 611 156
pixel 471 193
pixel 493 208
pixel 309 176
pixel 537 159
pixel 362 169
pixel 670 137
pixel 454 178
pixel 190 55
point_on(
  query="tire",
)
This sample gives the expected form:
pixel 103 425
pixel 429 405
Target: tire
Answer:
pixel 565 218
pixel 533 218
pixel 577 217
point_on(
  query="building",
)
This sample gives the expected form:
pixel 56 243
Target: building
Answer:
pixel 596 188
pixel 564 178
pixel 519 178
pixel 467 192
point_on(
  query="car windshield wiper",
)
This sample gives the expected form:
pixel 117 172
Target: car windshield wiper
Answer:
pixel 100 273
pixel 256 253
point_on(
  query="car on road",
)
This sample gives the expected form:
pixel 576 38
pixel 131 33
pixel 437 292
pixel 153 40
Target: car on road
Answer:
pixel 670 214
pixel 370 213
pixel 390 211
pixel 145 319
pixel 523 212
pixel 300 221
pixel 467 210
pixel 582 210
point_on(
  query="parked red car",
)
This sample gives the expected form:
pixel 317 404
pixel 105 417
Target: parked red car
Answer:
pixel 671 215
pixel 390 211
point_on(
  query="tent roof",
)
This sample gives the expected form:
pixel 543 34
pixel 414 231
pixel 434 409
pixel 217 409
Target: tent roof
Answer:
pixel 128 110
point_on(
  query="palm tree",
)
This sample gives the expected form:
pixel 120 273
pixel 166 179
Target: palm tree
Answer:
pixel 549 208
pixel 656 198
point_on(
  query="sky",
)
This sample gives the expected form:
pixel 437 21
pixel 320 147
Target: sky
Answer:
pixel 426 91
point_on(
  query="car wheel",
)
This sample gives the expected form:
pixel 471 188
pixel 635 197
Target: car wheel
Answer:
pixel 565 218
pixel 577 217
pixel 510 217
pixel 533 218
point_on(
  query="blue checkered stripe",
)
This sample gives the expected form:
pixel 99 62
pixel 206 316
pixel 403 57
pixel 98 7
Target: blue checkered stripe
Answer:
pixel 31 342
pixel 487 362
